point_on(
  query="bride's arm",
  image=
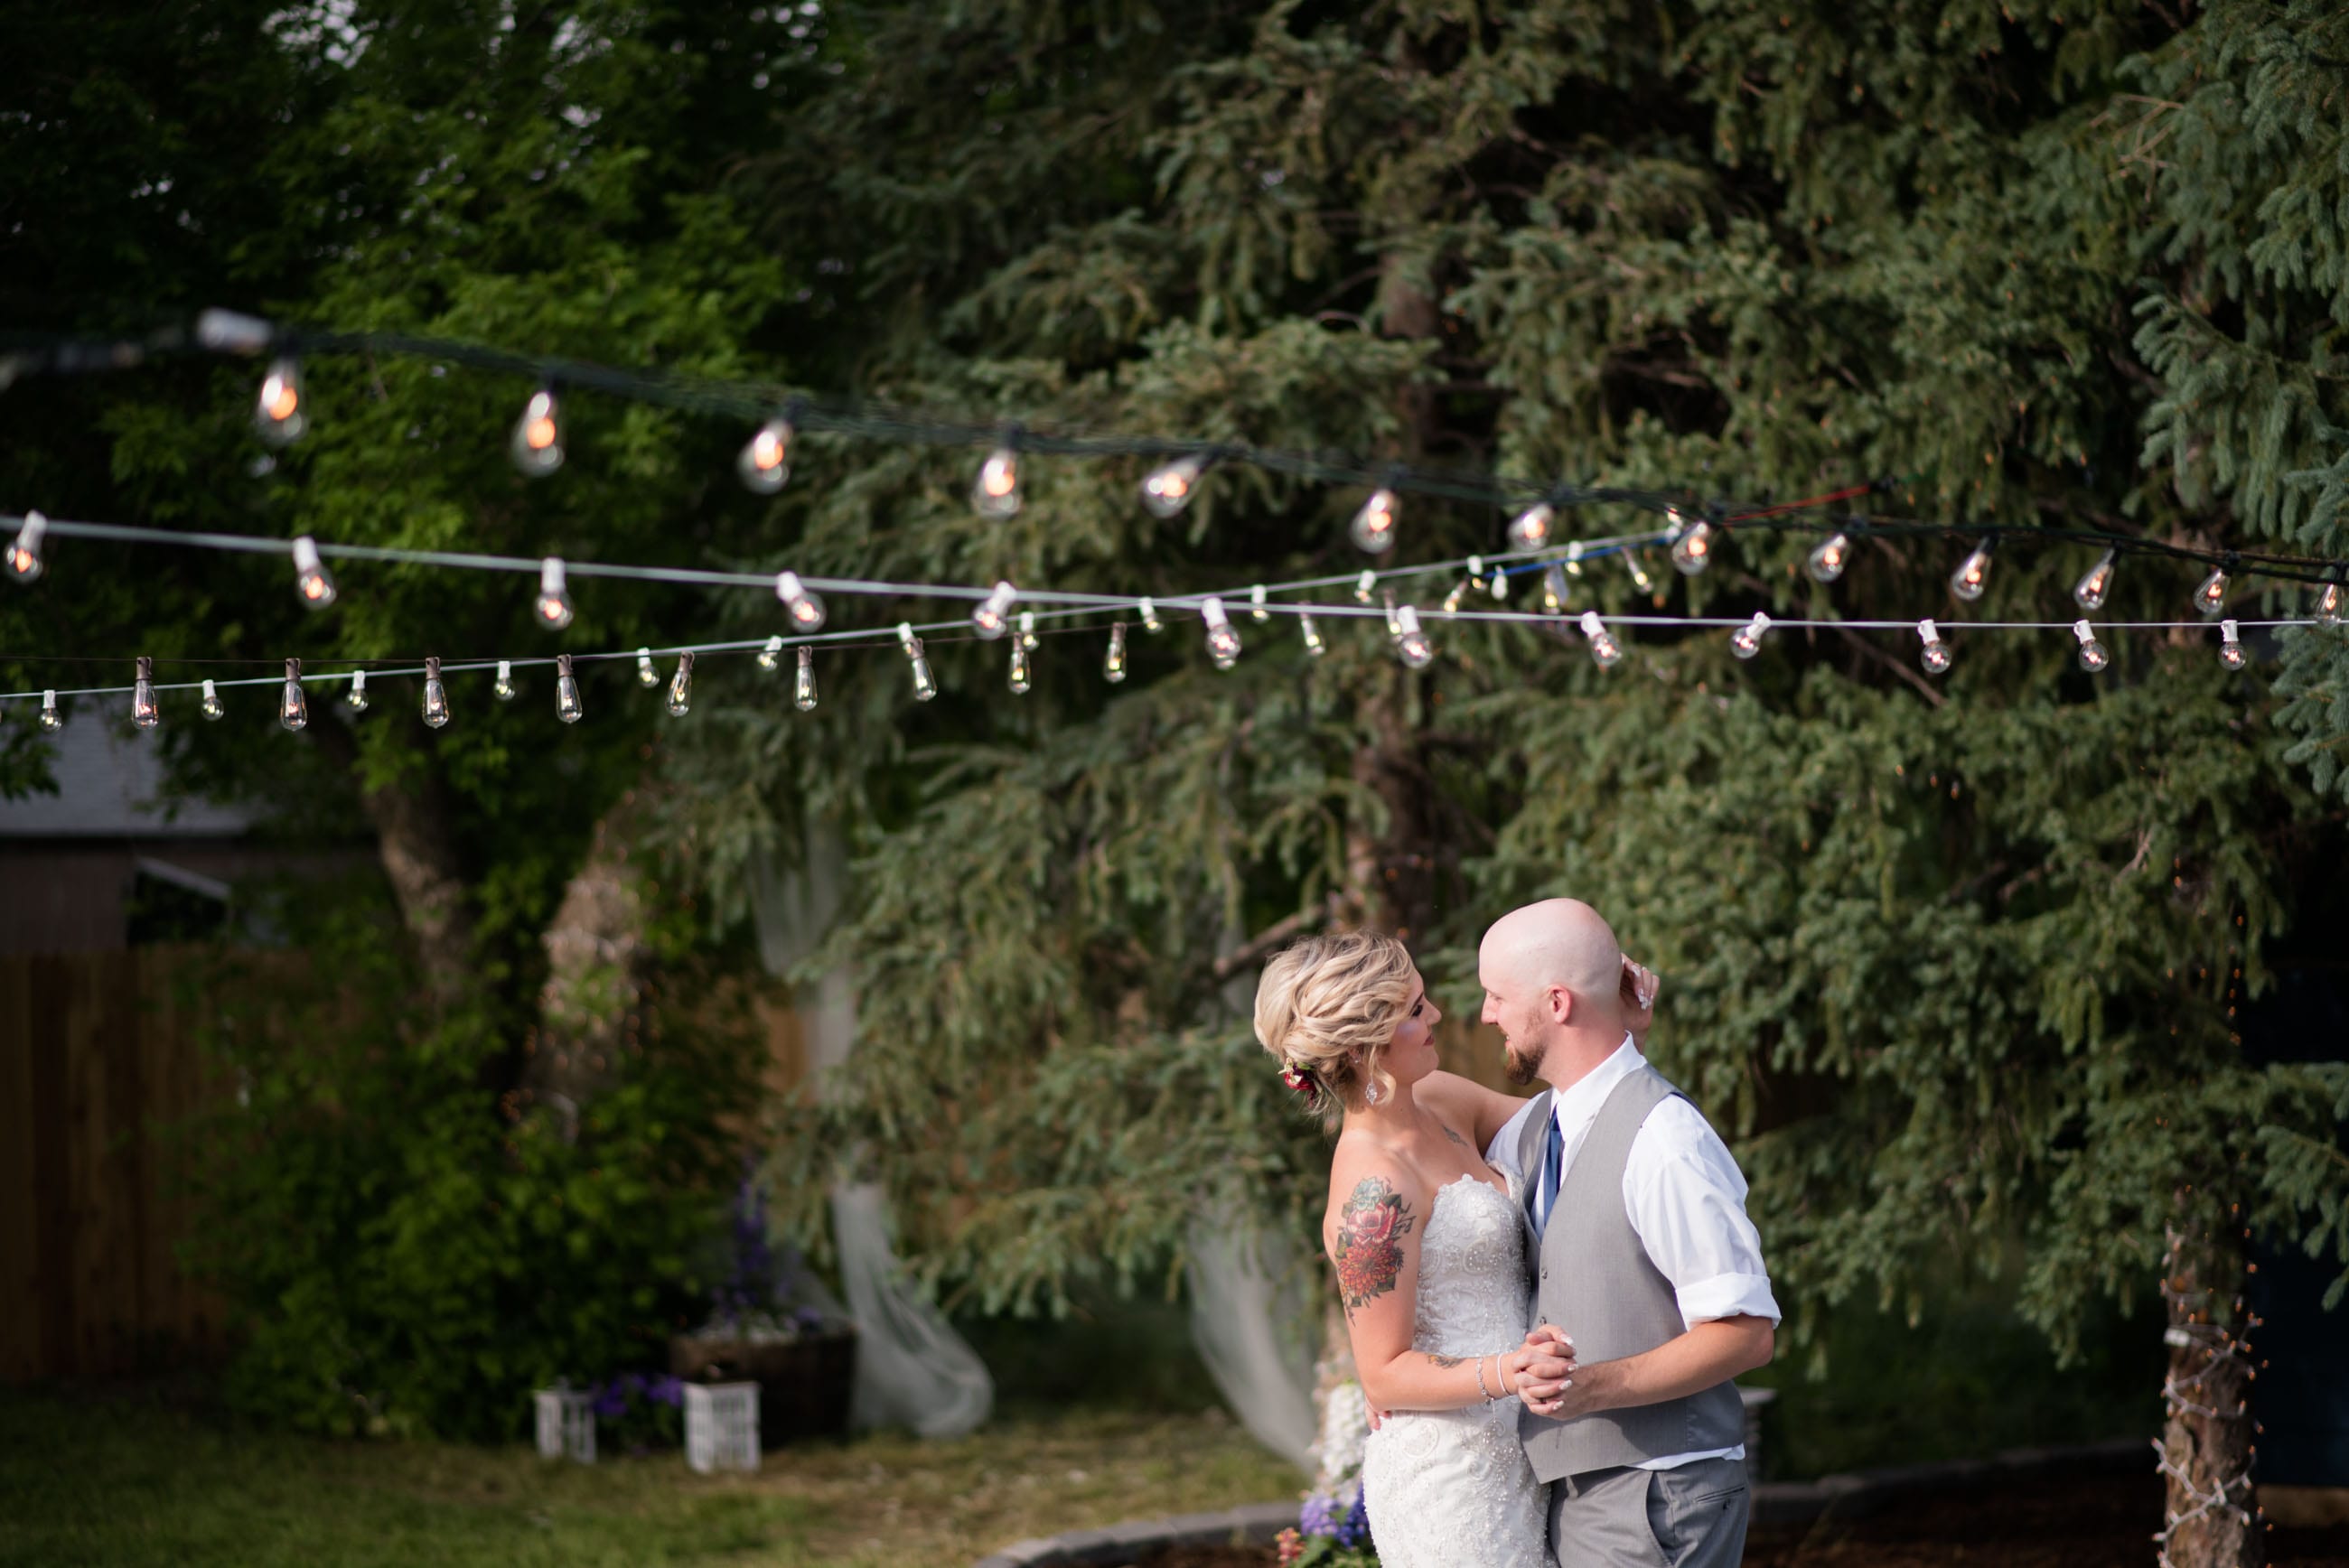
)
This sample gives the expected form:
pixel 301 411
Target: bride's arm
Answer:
pixel 1465 1103
pixel 1373 1239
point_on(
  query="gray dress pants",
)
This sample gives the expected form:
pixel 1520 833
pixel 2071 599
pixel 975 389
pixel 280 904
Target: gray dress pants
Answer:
pixel 1691 1517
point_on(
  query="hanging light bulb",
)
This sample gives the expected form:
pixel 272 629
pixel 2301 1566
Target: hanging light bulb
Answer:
pixel 144 712
pixel 1027 638
pixel 1223 642
pixel 1826 561
pixel 1973 574
pixel 1554 589
pixel 993 616
pixel 2093 655
pixel 1365 585
pixel 504 690
pixel 996 492
pixel 310 578
pixel 1314 646
pixel 1691 544
pixel 804 683
pixel 536 446
pixel 1747 641
pixel 293 707
pixel 567 706
pixel 436 696
pixel 2230 648
pixel 1256 603
pixel 282 412
pixel 1603 647
pixel 1410 641
pixel 1169 487
pixel 1476 579
pixel 214 706
pixel 553 606
pixel 1531 529
pixel 2090 591
pixel 803 606
pixel 765 462
pixel 1113 663
pixel 2210 598
pixel 1640 578
pixel 681 687
pixel 2328 602
pixel 1574 559
pixel 1018 667
pixel 1499 583
pixel 24 556
pixel 1150 621
pixel 1935 655
pixel 51 719
pixel 1394 628
pixel 772 654
pixel 357 699
pixel 646 675
pixel 925 687
pixel 1374 528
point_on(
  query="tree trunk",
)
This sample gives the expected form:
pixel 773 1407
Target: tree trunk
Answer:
pixel 2210 1518
pixel 416 842
pixel 596 957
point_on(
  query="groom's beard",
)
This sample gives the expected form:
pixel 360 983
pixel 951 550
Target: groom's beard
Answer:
pixel 1520 1071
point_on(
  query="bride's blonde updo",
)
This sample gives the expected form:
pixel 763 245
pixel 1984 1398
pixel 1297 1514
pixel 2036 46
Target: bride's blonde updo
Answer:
pixel 1328 1008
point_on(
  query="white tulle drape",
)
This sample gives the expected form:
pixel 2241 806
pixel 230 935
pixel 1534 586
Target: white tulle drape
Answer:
pixel 1256 1331
pixel 912 1368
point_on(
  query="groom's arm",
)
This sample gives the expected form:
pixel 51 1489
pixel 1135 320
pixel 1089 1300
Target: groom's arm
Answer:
pixel 1708 1353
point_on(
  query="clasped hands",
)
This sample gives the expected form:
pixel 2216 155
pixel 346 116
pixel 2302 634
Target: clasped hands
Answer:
pixel 1543 1370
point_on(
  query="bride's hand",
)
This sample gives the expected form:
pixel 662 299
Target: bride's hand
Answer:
pixel 1538 1375
pixel 1637 989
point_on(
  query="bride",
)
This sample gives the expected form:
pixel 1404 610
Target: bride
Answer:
pixel 1429 1243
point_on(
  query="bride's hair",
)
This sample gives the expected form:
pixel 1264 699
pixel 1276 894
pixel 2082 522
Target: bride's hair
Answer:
pixel 1328 1006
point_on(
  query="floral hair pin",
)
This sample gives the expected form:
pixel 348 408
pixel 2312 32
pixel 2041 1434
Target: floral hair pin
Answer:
pixel 1301 1082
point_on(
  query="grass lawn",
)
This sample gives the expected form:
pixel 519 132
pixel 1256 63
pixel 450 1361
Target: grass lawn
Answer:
pixel 130 1481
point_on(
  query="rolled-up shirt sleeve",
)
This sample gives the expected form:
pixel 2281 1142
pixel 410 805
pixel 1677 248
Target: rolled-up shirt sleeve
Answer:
pixel 1686 1199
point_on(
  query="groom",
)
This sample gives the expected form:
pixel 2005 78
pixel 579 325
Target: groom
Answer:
pixel 1644 1262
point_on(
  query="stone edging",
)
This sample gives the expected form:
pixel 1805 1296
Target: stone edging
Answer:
pixel 1775 1502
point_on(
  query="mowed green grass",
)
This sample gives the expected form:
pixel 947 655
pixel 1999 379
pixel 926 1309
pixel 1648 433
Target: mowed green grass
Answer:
pixel 131 1481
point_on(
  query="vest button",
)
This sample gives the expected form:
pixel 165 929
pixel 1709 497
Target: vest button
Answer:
pixel 1545 1274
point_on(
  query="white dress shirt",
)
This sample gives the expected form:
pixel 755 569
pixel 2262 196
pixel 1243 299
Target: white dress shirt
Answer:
pixel 1683 1195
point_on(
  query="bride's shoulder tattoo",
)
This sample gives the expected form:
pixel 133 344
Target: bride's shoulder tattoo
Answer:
pixel 1369 1250
pixel 1454 1136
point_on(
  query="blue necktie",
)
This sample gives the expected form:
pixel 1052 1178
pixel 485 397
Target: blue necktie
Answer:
pixel 1546 1188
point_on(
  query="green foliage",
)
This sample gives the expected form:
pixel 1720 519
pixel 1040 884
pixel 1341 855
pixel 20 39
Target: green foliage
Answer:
pixel 401 1256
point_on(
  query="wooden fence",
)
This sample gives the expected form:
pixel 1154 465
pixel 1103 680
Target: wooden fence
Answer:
pixel 94 1056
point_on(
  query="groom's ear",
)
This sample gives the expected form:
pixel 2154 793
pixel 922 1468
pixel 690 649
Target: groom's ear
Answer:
pixel 1561 1004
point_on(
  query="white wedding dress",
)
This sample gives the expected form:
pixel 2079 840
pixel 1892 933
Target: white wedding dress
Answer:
pixel 1452 1489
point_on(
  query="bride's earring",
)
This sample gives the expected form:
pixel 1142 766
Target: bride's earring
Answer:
pixel 1372 1094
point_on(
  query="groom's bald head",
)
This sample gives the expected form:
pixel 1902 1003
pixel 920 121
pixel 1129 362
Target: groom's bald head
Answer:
pixel 1557 941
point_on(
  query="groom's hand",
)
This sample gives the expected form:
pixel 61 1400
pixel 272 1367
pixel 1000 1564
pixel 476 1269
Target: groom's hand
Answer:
pixel 1548 1371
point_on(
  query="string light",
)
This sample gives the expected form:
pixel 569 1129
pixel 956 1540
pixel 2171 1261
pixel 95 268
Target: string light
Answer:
pixel 505 689
pixel 2092 657
pixel 2090 591
pixel 293 707
pixel 2328 602
pixel 282 412
pixel 51 720
pixel 2211 599
pixel 536 445
pixel 144 713
pixel 1394 628
pixel 924 685
pixel 1374 528
pixel 647 675
pixel 25 550
pixel 764 462
pixel 1169 487
pixel 1409 641
pixel 1826 561
pixel 681 687
pixel 1530 529
pixel 1019 666
pixel 1114 662
pixel 1149 612
pixel 1027 638
pixel 357 699
pixel 1314 646
pixel 1747 641
pixel 1500 584
pixel 1573 558
pixel 214 706
pixel 1692 543
pixel 1462 589
pixel 2230 648
pixel 772 654
pixel 567 706
pixel 993 616
pixel 996 492
pixel 310 578
pixel 1936 653
pixel 1554 589
pixel 436 696
pixel 1603 647
pixel 804 608
pixel 1973 574
pixel 1365 585
pixel 1639 571
pixel 553 606
pixel 803 683
pixel 1256 606
pixel 1223 642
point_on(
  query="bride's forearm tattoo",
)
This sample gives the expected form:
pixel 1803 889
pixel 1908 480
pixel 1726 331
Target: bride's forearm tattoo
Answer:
pixel 1447 1362
pixel 1369 1250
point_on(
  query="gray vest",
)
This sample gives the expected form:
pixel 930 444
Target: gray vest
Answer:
pixel 1593 1279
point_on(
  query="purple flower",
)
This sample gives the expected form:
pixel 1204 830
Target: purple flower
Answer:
pixel 1355 1528
pixel 807 1320
pixel 665 1390
pixel 611 1401
pixel 1319 1516
pixel 633 1382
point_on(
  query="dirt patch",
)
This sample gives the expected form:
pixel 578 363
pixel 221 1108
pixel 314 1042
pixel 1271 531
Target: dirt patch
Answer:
pixel 2090 1523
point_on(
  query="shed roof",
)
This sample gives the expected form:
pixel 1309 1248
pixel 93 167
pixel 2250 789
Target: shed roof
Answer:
pixel 110 785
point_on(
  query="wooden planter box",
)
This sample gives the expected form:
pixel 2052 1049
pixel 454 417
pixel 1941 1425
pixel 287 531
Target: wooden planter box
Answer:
pixel 804 1386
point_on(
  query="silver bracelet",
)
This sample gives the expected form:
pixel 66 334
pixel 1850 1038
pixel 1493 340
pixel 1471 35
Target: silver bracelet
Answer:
pixel 1489 1395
